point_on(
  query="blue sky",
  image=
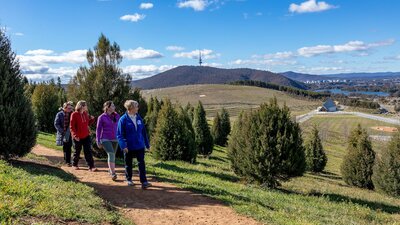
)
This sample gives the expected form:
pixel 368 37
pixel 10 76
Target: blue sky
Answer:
pixel 309 36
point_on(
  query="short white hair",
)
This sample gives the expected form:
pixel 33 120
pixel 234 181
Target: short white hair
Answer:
pixel 129 104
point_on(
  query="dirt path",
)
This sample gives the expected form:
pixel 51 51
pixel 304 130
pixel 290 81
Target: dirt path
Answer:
pixel 161 204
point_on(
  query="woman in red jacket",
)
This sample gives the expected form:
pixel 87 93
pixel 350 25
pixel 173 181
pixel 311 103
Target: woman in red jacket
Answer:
pixel 80 121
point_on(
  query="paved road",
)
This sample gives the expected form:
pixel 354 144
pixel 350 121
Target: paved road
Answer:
pixel 305 117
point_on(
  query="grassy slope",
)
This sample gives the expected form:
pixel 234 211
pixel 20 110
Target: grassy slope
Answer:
pixel 311 199
pixel 31 192
pixel 233 98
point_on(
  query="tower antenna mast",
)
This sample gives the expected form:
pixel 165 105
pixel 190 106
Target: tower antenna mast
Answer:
pixel 200 60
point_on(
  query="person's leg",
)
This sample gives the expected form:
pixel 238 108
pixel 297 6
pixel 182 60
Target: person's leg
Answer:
pixel 109 148
pixel 141 165
pixel 115 147
pixel 67 151
pixel 87 151
pixel 128 165
pixel 77 152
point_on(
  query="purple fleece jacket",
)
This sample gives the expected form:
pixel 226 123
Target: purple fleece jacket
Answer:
pixel 107 127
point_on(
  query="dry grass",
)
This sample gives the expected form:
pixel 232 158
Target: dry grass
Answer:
pixel 233 98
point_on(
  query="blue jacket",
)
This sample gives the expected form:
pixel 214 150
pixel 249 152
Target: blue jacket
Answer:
pixel 59 125
pixel 130 137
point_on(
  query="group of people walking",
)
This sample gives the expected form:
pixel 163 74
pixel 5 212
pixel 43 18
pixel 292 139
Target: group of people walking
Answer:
pixel 128 132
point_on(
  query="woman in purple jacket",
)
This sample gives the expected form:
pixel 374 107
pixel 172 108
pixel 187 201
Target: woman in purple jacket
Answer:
pixel 106 134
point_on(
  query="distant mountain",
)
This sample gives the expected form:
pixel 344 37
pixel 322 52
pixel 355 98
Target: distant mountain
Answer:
pixel 301 77
pixel 186 75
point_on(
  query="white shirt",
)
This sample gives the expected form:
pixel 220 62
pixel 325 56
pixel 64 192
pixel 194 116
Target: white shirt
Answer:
pixel 133 118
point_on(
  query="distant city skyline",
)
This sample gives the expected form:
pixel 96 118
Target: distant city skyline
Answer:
pixel 51 37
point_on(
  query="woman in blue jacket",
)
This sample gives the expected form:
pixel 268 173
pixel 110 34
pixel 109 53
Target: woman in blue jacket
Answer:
pixel 132 138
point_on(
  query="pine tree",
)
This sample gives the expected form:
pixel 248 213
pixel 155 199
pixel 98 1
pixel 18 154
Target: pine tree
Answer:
pixel 386 177
pixel 190 111
pixel 17 126
pixel 217 131
pixel 103 80
pixel 357 166
pixel 62 96
pixel 189 151
pixel 204 140
pixel 225 126
pixel 45 105
pixel 151 117
pixel 173 138
pixel 266 145
pixel 315 155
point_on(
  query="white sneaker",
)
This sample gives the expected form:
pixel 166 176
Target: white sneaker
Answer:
pixel 130 183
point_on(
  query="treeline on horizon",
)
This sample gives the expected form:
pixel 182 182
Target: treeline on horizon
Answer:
pixel 289 90
pixel 356 102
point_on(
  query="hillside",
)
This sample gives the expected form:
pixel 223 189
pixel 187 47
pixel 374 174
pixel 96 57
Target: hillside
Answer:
pixel 186 75
pixel 302 77
pixel 233 98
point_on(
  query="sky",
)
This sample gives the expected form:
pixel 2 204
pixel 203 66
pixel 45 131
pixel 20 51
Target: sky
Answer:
pixel 51 37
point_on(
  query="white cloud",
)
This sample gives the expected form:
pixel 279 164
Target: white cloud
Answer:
pixel 175 48
pixel 205 54
pixel 213 64
pixel 310 6
pixel 350 46
pixel 278 55
pixel 45 73
pixel 133 18
pixel 322 70
pixel 41 57
pixel 19 34
pixel 259 14
pixel 141 53
pixel 268 62
pixel 147 5
pixel 39 52
pixel 143 71
pixel 197 5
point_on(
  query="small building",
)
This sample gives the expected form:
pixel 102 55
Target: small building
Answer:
pixel 328 106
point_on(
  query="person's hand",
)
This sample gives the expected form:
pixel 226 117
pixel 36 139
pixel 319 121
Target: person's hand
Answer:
pixel 99 145
pixel 77 139
pixel 91 117
pixel 125 150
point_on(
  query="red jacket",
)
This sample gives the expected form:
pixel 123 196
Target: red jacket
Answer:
pixel 80 124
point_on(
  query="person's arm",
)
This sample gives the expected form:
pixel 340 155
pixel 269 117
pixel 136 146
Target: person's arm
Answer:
pixel 72 126
pixel 91 119
pixel 121 135
pixel 99 130
pixel 146 139
pixel 57 123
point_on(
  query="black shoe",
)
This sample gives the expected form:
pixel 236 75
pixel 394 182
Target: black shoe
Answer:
pixel 146 185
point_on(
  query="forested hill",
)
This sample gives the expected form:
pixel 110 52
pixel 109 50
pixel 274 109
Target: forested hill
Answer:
pixel 187 75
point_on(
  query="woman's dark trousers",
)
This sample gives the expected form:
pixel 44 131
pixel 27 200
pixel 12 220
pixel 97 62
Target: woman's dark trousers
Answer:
pixel 87 151
pixel 139 155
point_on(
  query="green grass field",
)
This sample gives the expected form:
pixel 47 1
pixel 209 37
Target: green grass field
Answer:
pixel 312 199
pixel 233 98
pixel 34 193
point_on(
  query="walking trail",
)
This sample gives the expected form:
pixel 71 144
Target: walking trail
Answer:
pixel 161 204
